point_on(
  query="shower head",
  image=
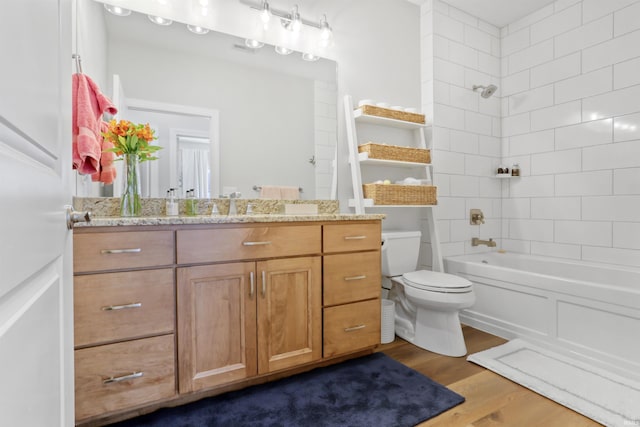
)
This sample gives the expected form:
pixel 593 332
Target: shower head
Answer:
pixel 487 91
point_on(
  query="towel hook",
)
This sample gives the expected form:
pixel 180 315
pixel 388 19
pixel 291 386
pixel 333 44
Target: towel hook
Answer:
pixel 78 59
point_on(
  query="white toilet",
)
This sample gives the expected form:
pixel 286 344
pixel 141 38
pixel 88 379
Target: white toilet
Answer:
pixel 427 302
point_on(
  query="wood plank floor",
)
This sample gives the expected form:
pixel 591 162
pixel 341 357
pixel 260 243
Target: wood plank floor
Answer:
pixel 491 400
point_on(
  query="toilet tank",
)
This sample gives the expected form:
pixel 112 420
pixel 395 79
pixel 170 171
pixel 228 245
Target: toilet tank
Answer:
pixel 400 251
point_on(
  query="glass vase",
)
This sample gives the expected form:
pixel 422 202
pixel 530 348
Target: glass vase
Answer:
pixel 130 201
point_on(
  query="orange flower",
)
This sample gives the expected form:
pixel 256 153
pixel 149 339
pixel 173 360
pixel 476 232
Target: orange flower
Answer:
pixel 129 138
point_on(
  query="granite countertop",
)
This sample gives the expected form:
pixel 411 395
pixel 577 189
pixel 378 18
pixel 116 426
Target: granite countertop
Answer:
pixel 221 219
pixel 105 212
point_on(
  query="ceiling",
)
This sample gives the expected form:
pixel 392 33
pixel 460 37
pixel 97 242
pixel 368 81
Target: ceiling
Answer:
pixel 499 12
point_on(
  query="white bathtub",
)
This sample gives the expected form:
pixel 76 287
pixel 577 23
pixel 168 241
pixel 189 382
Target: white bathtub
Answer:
pixel 590 310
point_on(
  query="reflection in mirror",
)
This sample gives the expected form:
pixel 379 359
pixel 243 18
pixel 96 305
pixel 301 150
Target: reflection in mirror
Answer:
pixel 277 121
pixel 194 170
pixel 191 149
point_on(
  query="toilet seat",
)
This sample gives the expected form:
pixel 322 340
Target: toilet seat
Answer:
pixel 433 281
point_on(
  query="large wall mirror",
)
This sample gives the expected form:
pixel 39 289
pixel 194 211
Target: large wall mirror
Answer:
pixel 230 118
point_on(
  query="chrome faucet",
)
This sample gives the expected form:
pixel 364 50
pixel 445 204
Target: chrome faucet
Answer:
pixel 475 241
pixel 232 202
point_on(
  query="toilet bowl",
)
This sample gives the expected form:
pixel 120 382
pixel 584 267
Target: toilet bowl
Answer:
pixel 427 302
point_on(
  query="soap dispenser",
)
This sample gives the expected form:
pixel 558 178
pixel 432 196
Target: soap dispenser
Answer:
pixel 191 208
pixel 171 205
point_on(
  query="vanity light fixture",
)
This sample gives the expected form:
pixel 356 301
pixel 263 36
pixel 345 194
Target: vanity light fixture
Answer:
pixel 117 10
pixel 196 29
pixel 283 50
pixel 310 57
pixel 253 44
pixel 160 20
pixel 292 20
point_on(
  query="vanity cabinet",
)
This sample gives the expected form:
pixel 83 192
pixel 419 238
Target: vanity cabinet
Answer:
pixel 124 307
pixel 170 313
pixel 253 317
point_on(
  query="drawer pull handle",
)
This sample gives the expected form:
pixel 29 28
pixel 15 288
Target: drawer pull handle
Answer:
pixel 252 281
pixel 362 276
pixel 256 243
pixel 121 251
pixel 131 376
pixel 122 307
pixel 354 237
pixel 355 328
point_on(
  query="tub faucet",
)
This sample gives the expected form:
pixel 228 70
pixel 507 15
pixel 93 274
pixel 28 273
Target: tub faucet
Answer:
pixel 476 242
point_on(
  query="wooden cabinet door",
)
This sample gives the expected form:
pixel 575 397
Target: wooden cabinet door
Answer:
pixel 289 312
pixel 216 325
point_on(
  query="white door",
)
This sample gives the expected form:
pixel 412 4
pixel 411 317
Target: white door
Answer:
pixel 36 312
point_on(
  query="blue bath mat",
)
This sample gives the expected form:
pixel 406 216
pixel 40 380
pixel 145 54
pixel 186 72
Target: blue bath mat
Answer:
pixel 374 390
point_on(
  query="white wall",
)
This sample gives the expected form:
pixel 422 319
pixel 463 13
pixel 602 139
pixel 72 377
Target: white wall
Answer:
pixel 458 52
pixel 571 119
pixel 378 53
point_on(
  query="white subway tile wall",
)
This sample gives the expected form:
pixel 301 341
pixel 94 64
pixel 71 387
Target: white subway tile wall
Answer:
pixel 570 116
pixel 567 111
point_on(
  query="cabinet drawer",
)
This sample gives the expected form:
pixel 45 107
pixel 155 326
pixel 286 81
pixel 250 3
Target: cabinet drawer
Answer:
pixel 351 327
pixel 351 277
pixel 351 237
pixel 141 371
pixel 120 250
pixel 116 306
pixel 226 244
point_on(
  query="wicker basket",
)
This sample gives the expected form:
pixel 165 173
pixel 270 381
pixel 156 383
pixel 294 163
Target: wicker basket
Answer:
pixel 394 152
pixel 388 113
pixel 393 194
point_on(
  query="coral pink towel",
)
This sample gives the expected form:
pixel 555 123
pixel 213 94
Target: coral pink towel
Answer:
pixel 88 106
pixel 107 171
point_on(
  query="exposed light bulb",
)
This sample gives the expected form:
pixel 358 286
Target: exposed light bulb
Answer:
pixel 204 7
pixel 253 44
pixel 265 14
pixel 283 50
pixel 326 34
pixel 310 57
pixel 117 10
pixel 196 29
pixel 325 29
pixel 296 22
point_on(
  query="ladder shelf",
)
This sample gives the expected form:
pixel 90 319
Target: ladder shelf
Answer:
pixel 357 160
